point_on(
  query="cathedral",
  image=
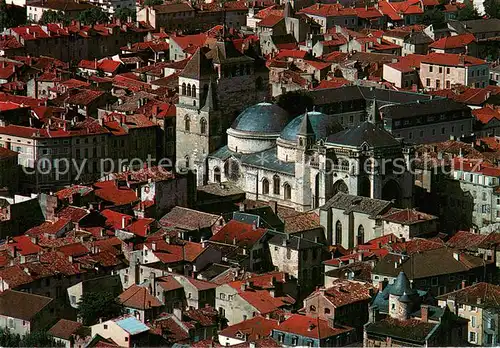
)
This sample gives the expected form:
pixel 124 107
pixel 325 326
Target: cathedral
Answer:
pixel 299 162
pixel 303 162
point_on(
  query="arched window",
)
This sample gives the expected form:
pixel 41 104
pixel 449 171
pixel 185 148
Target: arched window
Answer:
pixel 217 177
pixel 184 89
pixel 312 308
pixel 193 91
pixel 259 84
pixel 361 234
pixel 288 191
pixel 203 126
pixel 189 90
pixel 187 161
pixel 187 124
pixel 327 310
pixel 338 232
pixel 276 185
pixel 265 186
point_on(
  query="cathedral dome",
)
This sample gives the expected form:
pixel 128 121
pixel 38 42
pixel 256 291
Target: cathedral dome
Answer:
pixel 261 118
pixel 323 126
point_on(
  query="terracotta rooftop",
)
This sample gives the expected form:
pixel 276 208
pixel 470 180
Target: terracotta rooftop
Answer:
pixel 64 329
pixel 138 297
pixel 188 219
pixel 456 41
pixel 305 326
pixel 449 59
pixel 239 233
pixel 253 328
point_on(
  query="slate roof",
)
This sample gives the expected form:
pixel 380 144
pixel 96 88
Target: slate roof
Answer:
pixel 225 51
pixel 402 286
pixel 293 242
pixel 371 134
pixel 21 305
pixel 422 108
pixel 319 124
pixel 199 66
pixel 427 261
pixel 262 118
pixel 359 204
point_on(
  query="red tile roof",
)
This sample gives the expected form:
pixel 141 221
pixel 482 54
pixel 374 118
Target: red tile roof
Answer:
pixel 465 240
pixel 270 21
pixel 189 41
pixel 115 219
pixel 49 227
pixel 334 82
pixel 68 192
pixel 169 283
pixel 368 13
pixel 15 276
pixel 71 213
pixel 328 10
pixel 408 63
pixel 253 328
pixel 302 325
pixel 475 166
pixel 74 250
pixel 416 245
pixel 344 292
pixel 140 227
pixel 138 297
pixel 457 41
pixel 262 282
pixel 291 54
pixel 239 233
pixel 23 245
pixel 449 59
pixel 262 300
pixel 64 329
pixel 486 114
pixel 6 153
pixel 109 192
pixel 201 284
pixel 407 216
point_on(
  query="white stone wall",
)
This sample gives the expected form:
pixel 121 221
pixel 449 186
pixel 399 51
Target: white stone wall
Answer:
pixel 242 142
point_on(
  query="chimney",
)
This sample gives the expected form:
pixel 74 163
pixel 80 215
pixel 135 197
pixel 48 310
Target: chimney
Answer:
pixel 464 284
pixel 124 222
pixel 153 246
pixel 95 63
pixel 243 286
pixel 456 256
pixel 203 243
pixel 424 310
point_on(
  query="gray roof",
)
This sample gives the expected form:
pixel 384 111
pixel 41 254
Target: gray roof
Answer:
pixel 293 242
pixel 402 286
pixel 482 25
pixel 267 159
pixel 419 38
pixel 371 134
pixel 262 118
pixel 22 305
pixel 199 66
pixel 358 204
pixel 423 107
pixel 224 51
pixel 320 124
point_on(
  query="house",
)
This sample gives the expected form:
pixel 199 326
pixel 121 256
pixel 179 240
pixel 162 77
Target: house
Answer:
pixel 409 223
pixel 194 224
pixel 184 46
pixel 442 70
pixel 70 10
pixel 107 67
pixel 137 301
pixel 344 301
pixel 69 333
pixel 170 16
pixel 457 44
pixel 126 331
pixel 331 15
pixel 350 220
pixel 299 257
pixel 454 267
pixel 404 73
pixel 110 282
pixel 247 331
pixel 22 313
pixel 247 236
pixel 240 300
pixel 479 304
pixel 398 316
pixel 306 331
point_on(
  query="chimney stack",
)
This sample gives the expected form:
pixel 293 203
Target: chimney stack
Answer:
pixel 124 222
pixel 424 310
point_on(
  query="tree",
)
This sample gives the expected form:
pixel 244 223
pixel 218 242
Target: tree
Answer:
pixel 93 15
pixel 433 16
pixel 51 16
pixel 124 14
pixel 98 305
pixel 5 21
pixel 152 2
pixel 8 339
pixel 468 12
pixel 296 102
pixel 39 339
pixel 492 8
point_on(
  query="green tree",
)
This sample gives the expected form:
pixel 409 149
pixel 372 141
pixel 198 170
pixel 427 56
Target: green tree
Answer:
pixel 468 12
pixel 51 16
pixel 433 16
pixel 39 339
pixel 125 13
pixel 98 305
pixel 152 2
pixel 8 339
pixel 5 21
pixel 492 8
pixel 93 15
pixel 296 102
